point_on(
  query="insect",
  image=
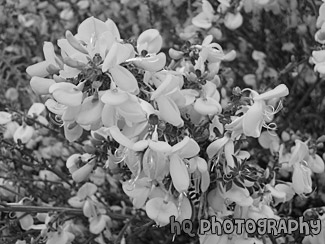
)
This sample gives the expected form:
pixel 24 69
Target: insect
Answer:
pixel 193 194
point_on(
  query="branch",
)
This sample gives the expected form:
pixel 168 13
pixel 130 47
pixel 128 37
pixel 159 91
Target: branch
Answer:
pixel 40 209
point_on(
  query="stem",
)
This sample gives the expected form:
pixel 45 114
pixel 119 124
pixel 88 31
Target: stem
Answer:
pixel 121 233
pixel 40 209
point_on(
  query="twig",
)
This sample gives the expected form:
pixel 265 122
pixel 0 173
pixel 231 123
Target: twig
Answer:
pixel 40 209
pixel 121 233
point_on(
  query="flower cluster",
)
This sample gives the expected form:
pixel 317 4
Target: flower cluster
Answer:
pixel 166 127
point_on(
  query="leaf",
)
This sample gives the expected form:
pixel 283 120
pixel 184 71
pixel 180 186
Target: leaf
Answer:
pixel 238 183
pixel 228 185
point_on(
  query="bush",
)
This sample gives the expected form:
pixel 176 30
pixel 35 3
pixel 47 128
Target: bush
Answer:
pixel 123 121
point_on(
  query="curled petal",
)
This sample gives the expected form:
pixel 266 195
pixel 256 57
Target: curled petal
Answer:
pixel 153 63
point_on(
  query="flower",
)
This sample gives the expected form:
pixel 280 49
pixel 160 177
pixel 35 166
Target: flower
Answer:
pixel 318 58
pixel 149 43
pixel 256 115
pixel 51 65
pixel 233 21
pixel 301 178
pixel 204 19
pixel 187 148
pixel 161 210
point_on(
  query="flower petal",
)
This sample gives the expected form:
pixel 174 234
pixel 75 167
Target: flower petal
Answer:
pixel 109 115
pixel 124 79
pixel 253 120
pixel 38 69
pixel 117 54
pixel 4 117
pixel 149 40
pixel 207 106
pixel 90 112
pixel 153 63
pixel 41 85
pixel 279 91
pixel 169 111
pixel 179 173
pixel 160 211
pixel 74 133
pixel 120 138
pixel 24 133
